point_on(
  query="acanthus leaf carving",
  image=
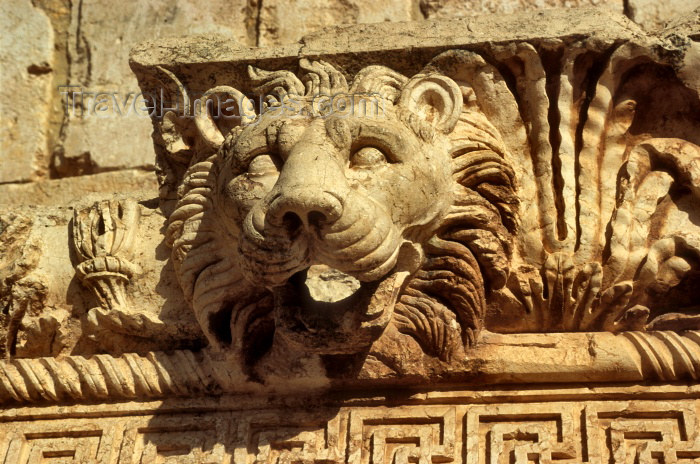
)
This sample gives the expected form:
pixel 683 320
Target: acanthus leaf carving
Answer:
pixel 606 185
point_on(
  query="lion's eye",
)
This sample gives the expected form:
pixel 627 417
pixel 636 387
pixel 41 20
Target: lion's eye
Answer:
pixel 368 156
pixel 262 165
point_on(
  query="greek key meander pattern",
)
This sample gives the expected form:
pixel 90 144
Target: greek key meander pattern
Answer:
pixel 631 431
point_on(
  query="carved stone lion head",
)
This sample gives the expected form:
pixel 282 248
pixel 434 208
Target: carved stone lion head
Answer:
pixel 333 210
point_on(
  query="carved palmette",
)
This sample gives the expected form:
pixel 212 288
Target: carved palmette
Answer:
pixel 604 146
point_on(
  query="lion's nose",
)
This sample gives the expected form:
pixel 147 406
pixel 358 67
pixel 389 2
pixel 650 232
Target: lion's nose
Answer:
pixel 305 207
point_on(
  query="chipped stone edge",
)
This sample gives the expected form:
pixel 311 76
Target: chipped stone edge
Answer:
pixel 443 34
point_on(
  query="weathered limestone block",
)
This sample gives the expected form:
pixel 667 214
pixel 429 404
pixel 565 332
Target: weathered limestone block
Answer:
pixel 75 190
pixel 283 22
pixel 453 9
pixel 655 15
pixel 115 134
pixel 26 89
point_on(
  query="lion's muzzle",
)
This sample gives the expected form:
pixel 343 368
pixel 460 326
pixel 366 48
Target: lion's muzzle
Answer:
pixel 310 190
pixel 309 206
pixel 313 216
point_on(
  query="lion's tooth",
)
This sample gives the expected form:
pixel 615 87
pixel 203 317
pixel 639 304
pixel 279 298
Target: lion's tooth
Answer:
pixel 330 285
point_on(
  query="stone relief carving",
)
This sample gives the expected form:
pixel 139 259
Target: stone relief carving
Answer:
pixel 452 428
pixel 395 212
pixel 103 238
pixel 520 189
pixel 521 359
pixel 343 219
pixel 612 241
pixel 456 250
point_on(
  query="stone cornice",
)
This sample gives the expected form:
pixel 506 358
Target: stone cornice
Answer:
pixel 401 38
pixel 595 358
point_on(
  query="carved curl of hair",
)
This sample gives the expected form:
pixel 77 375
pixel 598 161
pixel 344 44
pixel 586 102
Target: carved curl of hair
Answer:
pixel 443 305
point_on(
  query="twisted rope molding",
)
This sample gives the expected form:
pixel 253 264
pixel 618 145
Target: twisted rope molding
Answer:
pixel 158 374
pixel 668 355
pixel 665 356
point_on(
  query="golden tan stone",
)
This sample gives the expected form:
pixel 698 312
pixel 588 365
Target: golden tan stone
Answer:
pixel 466 241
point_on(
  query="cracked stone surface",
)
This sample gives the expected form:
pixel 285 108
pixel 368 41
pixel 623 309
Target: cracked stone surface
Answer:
pixel 26 90
pixel 101 37
pixel 86 43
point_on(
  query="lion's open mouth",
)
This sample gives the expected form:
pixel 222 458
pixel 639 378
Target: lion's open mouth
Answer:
pixel 328 311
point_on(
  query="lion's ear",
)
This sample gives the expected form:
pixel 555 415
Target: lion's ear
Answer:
pixel 435 98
